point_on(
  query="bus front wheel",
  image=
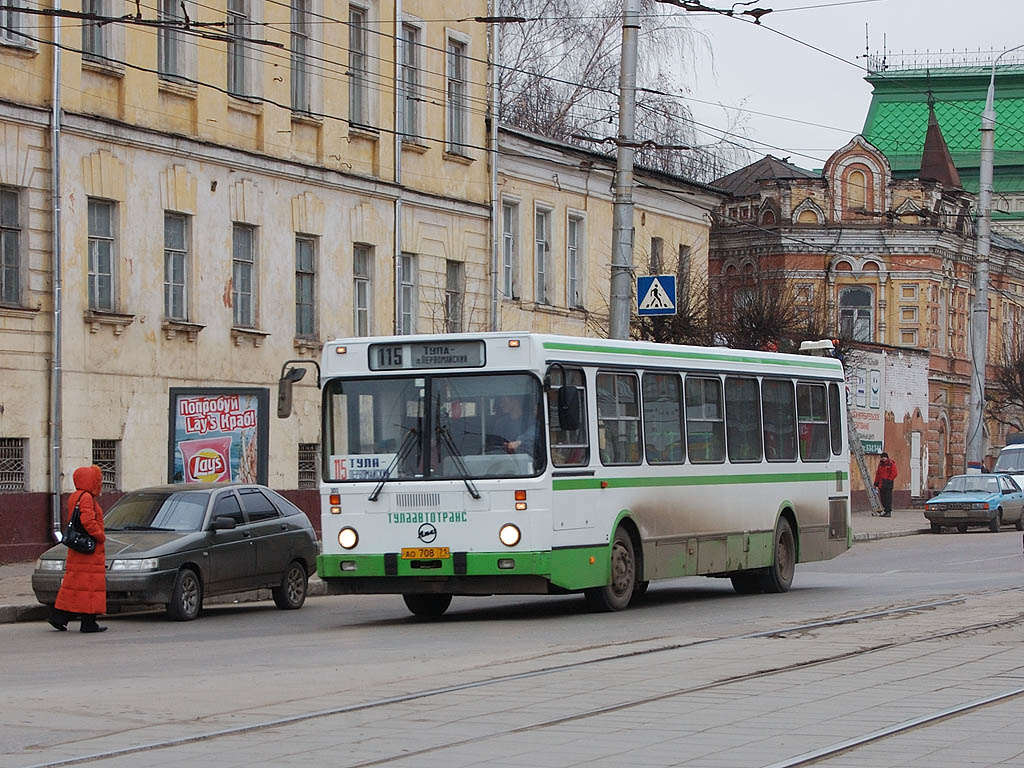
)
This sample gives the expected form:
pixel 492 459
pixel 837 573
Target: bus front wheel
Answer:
pixel 617 595
pixel 779 575
pixel 430 606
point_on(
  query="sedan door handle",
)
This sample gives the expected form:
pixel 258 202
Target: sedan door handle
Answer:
pixel 284 526
pixel 247 535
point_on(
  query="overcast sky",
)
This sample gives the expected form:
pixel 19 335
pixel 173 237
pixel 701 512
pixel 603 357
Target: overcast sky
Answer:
pixel 760 70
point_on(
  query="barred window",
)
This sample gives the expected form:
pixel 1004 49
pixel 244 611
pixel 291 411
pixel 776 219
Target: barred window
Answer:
pixel 104 456
pixel 13 472
pixel 308 465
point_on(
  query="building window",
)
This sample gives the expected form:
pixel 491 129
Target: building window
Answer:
pixel 169 39
pixel 13 22
pixel 239 29
pixel 908 291
pixel 13 470
pixel 908 314
pixel 573 243
pixel 509 249
pixel 362 277
pixel 104 456
pixel 10 244
pixel 358 67
pixel 657 247
pixel 95 35
pixel 411 86
pixel 857 314
pixel 101 255
pixel 176 267
pixel 302 44
pixel 683 273
pixel 541 251
pixel 908 337
pixel 453 295
pixel 305 286
pixel 856 190
pixel 457 92
pixel 243 273
pixel 308 475
pixel 406 293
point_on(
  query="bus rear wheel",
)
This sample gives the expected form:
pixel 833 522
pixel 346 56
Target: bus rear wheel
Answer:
pixel 778 577
pixel 746 582
pixel 430 606
pixel 617 595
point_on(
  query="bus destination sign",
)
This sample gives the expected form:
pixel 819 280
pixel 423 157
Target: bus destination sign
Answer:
pixel 434 354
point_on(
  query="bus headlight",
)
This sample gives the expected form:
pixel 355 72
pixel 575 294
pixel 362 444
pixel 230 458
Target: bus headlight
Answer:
pixel 348 538
pixel 509 535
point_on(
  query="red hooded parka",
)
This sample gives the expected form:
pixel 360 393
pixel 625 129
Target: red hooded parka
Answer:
pixel 84 588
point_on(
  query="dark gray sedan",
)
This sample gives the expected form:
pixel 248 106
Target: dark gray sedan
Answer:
pixel 175 545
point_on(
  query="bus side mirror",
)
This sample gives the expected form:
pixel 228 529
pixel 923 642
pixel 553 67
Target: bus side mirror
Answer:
pixel 568 408
pixel 284 391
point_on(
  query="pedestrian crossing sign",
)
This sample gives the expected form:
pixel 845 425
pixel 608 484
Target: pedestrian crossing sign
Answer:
pixel 656 295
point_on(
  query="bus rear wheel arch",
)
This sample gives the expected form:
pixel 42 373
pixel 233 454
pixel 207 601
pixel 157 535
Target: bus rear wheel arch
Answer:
pixel 778 577
pixel 619 592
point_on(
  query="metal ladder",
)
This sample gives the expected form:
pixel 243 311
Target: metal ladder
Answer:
pixel 858 452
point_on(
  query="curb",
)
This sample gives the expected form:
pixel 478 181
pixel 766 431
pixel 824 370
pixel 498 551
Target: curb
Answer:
pixel 876 535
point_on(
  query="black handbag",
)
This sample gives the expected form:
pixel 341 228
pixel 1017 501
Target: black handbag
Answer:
pixel 75 536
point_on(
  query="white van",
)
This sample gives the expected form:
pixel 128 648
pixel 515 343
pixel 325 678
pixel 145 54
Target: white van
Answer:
pixel 1011 461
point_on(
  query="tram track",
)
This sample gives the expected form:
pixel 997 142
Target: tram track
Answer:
pixel 596 712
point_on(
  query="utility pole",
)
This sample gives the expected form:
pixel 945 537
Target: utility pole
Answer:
pixel 979 314
pixel 622 216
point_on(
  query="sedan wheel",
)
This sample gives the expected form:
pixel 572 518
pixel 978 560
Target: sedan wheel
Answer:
pixel 1019 525
pixel 187 597
pixel 291 594
pixel 996 522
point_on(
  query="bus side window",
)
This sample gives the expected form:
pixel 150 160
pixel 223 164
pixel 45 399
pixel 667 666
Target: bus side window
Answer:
pixel 569 448
pixel 705 424
pixel 779 413
pixel 618 418
pixel 835 417
pixel 743 419
pixel 812 415
pixel 663 418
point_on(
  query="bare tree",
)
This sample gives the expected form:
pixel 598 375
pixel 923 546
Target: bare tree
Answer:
pixel 560 78
pixel 1004 398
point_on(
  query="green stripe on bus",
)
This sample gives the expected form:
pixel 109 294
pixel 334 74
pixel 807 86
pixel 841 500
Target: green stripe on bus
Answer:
pixel 589 483
pixel 830 365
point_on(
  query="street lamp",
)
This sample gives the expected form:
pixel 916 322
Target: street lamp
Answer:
pixel 979 316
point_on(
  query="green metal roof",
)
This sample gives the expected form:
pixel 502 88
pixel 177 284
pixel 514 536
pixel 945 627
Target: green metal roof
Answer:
pixel 897 119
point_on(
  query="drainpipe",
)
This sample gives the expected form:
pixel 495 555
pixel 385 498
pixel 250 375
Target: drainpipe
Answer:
pixel 56 395
pixel 495 210
pixel 399 129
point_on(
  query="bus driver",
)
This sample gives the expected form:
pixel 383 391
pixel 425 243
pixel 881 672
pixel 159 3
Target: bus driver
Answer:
pixel 512 427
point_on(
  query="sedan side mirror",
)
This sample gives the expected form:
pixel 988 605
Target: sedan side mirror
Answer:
pixel 223 523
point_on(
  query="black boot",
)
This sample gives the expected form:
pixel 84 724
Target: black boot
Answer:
pixel 59 619
pixel 89 624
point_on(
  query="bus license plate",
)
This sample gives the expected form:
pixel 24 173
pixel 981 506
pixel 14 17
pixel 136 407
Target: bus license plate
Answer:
pixel 426 553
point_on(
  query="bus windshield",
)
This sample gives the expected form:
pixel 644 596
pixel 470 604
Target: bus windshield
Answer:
pixel 433 427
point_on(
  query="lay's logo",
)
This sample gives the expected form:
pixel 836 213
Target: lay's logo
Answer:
pixel 207 466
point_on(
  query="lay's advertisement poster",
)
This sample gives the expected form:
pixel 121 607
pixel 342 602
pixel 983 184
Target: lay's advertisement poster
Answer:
pixel 218 435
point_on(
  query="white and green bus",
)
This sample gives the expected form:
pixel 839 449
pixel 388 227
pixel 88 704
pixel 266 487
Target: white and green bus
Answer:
pixel 523 463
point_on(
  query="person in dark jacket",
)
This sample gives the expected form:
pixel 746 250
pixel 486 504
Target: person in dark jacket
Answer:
pixel 885 476
pixel 83 591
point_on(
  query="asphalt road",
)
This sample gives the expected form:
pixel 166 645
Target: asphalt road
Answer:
pixel 327 669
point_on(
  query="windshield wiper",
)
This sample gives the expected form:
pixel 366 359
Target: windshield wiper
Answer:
pixel 403 451
pixel 446 437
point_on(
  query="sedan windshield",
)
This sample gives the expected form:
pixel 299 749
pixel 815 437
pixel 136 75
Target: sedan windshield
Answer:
pixel 972 484
pixel 157 511
pixel 434 427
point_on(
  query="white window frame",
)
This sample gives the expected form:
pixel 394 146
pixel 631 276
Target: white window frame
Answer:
pixel 176 252
pixel 239 268
pixel 454 295
pixel 542 254
pixel 11 272
pixel 362 289
pixel 306 273
pixel 169 40
pixel 855 314
pixel 301 45
pixel 244 22
pixel 360 67
pixel 13 22
pixel 97 240
pixel 457 86
pixel 575 249
pixel 103 44
pixel 510 248
pixel 406 294
pixel 412 80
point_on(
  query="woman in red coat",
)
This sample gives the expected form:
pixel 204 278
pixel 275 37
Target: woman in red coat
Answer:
pixel 84 588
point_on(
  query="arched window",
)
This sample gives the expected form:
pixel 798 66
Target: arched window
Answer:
pixel 807 216
pixel 856 190
pixel 857 313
